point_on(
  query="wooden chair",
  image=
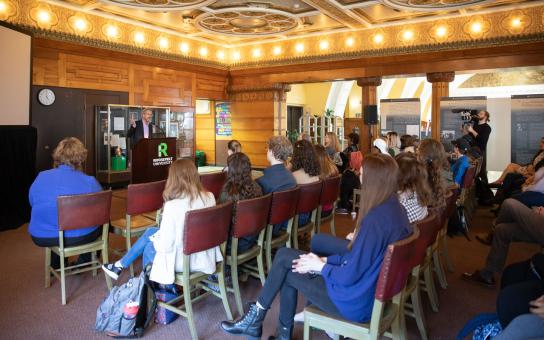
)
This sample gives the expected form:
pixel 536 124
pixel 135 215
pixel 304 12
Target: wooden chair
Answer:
pixel 357 194
pixel 79 212
pixel 213 182
pixel 434 224
pixel 204 229
pixel 388 301
pixel 440 247
pixel 427 236
pixel 143 200
pixel 308 202
pixel 450 208
pixel 251 219
pixel 283 208
pixel 464 199
pixel 329 196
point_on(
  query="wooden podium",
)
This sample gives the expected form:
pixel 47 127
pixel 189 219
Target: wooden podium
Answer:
pixel 151 158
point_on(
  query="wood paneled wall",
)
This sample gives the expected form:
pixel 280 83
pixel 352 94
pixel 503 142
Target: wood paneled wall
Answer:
pixel 205 127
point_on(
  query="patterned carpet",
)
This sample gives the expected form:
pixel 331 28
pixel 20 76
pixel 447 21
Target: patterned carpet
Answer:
pixel 29 311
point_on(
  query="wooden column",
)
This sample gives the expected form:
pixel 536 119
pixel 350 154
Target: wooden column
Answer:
pixel 441 88
pixel 369 97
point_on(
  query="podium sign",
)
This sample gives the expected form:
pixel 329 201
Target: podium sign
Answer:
pixel 151 158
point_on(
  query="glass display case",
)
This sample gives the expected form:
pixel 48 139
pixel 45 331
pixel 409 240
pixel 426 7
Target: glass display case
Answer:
pixel 112 144
pixel 181 126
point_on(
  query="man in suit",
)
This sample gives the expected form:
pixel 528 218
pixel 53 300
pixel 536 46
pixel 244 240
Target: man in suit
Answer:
pixel 141 128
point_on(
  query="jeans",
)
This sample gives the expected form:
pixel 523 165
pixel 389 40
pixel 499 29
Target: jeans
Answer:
pixel 530 198
pixel 68 242
pixel 283 280
pixel 144 247
pixel 325 245
pixel 526 326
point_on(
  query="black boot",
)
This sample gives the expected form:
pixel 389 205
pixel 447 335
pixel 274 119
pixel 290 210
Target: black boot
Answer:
pixel 250 324
pixel 282 333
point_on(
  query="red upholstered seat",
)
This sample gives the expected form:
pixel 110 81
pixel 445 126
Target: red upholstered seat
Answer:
pixel 329 195
pixel 308 202
pixel 213 182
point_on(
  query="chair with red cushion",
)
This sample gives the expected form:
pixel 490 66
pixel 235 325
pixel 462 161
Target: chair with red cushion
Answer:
pixel 79 212
pixel 388 301
pixel 283 208
pixel 329 196
pixel 204 229
pixel 143 202
pixel 251 219
pixel 308 203
pixel 213 182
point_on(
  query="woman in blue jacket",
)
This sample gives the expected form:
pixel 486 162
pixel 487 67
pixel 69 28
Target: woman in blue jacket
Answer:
pixel 344 284
pixel 66 178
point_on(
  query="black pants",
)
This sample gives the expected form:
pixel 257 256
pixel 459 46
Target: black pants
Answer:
pixel 284 281
pixel 68 242
pixel 519 285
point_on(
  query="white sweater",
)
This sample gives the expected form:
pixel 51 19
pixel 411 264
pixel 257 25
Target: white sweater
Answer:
pixel 168 241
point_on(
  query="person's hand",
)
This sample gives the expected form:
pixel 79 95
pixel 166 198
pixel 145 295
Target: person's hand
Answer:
pixel 350 236
pixel 470 129
pixel 539 210
pixel 308 263
pixel 537 306
pixel 132 121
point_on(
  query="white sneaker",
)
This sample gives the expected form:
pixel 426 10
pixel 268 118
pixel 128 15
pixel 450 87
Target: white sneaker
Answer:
pixel 299 317
pixel 330 334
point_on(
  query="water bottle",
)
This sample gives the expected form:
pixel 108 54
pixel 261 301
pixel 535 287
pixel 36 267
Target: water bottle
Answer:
pixel 128 321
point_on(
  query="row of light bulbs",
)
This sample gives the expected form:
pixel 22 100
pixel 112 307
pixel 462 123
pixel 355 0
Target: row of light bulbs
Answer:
pixel 112 32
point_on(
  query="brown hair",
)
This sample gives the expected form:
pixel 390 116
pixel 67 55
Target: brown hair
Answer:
pixel 183 181
pixel 281 147
pixel 433 156
pixel 71 152
pixel 377 186
pixel 234 146
pixel 413 178
pixel 334 143
pixel 304 157
pixel 328 168
pixel 239 184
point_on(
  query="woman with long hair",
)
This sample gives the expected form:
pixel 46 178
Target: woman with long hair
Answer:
pixel 240 186
pixel 413 186
pixel 332 145
pixel 431 153
pixel 407 143
pixel 351 180
pixel 305 165
pixel 327 167
pixel 347 283
pixel 164 246
pixel 393 143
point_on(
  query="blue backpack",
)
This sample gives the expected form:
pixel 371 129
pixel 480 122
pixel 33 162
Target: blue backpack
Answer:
pixel 483 326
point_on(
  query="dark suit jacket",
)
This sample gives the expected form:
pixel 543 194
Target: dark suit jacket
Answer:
pixel 137 133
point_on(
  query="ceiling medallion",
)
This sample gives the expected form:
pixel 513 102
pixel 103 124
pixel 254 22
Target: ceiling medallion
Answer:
pixel 160 5
pixel 432 5
pixel 247 21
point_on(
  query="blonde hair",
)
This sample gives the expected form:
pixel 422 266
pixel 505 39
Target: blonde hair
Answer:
pixel 328 168
pixel 183 181
pixel 71 152
pixel 334 142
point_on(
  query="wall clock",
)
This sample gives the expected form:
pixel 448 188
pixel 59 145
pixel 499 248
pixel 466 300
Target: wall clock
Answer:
pixel 46 97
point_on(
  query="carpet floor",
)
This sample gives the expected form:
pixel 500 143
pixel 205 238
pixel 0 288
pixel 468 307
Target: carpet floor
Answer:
pixel 30 311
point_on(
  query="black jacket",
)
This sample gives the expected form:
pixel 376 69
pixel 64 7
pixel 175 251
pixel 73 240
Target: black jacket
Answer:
pixel 137 133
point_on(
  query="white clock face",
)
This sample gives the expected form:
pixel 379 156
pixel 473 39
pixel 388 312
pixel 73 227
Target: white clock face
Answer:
pixel 46 97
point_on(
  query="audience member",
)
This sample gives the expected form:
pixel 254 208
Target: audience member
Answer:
pixel 458 169
pixel 233 146
pixel 431 153
pixel 305 167
pixel 66 178
pixel 163 248
pixel 328 169
pixel 523 170
pixel 304 136
pixel 332 145
pixel 240 186
pixel 413 186
pixel 353 145
pixel 533 194
pixel 393 143
pixel 515 223
pixel 351 180
pixel 407 143
pixel 347 281
pixel 380 146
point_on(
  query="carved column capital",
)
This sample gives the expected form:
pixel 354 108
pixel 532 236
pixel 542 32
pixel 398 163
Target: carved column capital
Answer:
pixel 440 77
pixel 276 92
pixel 369 81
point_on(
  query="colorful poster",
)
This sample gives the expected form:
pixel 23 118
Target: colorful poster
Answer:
pixel 400 115
pixel 527 127
pixel 456 112
pixel 223 124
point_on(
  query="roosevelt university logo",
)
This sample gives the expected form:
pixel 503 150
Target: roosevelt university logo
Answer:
pixel 162 150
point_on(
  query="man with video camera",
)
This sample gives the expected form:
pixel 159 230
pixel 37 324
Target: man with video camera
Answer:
pixel 480 131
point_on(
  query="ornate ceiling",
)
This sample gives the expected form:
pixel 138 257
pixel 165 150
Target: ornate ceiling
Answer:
pixel 250 32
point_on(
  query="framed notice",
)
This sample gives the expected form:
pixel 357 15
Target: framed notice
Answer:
pixel 223 123
pixel 400 115
pixel 527 127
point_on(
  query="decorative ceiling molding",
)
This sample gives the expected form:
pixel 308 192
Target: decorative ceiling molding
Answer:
pixel 160 5
pixel 433 5
pixel 329 8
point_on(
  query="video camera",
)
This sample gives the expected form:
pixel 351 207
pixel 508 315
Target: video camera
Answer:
pixel 466 114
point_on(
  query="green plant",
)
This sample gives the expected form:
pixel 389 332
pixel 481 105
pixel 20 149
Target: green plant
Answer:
pixel 328 112
pixel 292 135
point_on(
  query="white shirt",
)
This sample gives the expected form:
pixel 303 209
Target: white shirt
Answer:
pixel 168 241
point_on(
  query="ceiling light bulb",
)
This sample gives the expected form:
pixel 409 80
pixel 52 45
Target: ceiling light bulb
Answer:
pixel 139 38
pixel 299 47
pixel 476 27
pixel 236 55
pixel 277 50
pixel 441 31
pixel 203 51
pixel 44 16
pixel 184 47
pixel 256 53
pixel 111 31
pixel 516 22
pixel 220 55
pixel 350 42
pixel 163 43
pixel 3 6
pixel 80 24
pixel 407 35
pixel 378 38
pixel 324 44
